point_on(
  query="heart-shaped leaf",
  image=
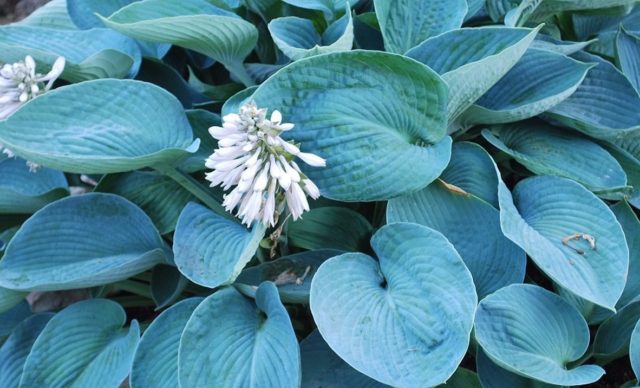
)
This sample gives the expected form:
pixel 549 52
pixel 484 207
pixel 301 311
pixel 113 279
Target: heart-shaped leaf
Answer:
pixel 511 332
pixel 100 354
pixel 403 320
pixel 25 191
pixel 232 341
pixel 292 274
pixel 100 126
pixel 81 241
pixel 472 60
pixel 211 250
pixel 405 23
pixel 570 234
pixel 370 131
pixel 542 149
pixel 539 81
pixel 156 361
pixel 472 226
pixel 90 54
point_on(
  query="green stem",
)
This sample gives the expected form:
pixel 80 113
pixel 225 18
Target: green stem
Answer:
pixel 195 188
pixel 240 72
pixel 137 288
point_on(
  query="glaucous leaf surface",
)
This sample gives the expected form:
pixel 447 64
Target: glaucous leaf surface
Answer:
pixel 370 131
pixel 328 7
pixel 83 12
pixel 542 149
pixel 472 60
pixel 100 126
pixel 156 360
pixel 472 226
pixel 52 14
pixel 233 341
pixel 200 121
pixel 81 241
pixel 634 350
pixel 100 354
pixel 16 348
pixel 628 56
pixel 404 319
pixel 167 285
pixel 612 338
pixel 210 249
pixel 10 298
pixel 405 23
pixel 25 191
pixel 509 328
pixel 631 227
pixel 493 376
pixel 11 318
pixel 545 214
pixel 291 274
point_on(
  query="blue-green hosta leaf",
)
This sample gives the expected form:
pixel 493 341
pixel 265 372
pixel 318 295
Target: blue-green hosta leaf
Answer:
pixel 292 274
pixel 550 7
pixel 90 54
pixel 168 78
pixel 472 169
pixel 543 148
pixel 331 227
pixel 462 378
pixel 83 12
pixel 589 24
pixel 474 6
pixel 200 121
pixel 539 81
pixel 156 361
pixel 518 16
pixel 81 241
pixel 10 298
pixel 328 7
pixel 472 60
pixel 546 42
pixel 510 329
pixel 159 196
pixel 211 250
pixel 321 367
pixel 628 56
pixel 631 227
pixel 472 226
pixel 297 38
pixel 52 14
pixel 372 132
pixel 193 24
pixel 628 156
pixel 232 341
pixel 552 219
pixel 612 338
pixel 493 376
pixel 634 350
pixel 605 106
pixel 405 23
pixel 100 126
pixel 12 317
pixel 167 284
pixel 100 354
pixel 25 191
pixel 16 348
pixel 403 320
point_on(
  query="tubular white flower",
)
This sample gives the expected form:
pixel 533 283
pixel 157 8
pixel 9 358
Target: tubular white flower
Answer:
pixel 252 156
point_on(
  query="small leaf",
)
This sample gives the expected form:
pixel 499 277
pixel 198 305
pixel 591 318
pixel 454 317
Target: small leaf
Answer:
pixel 232 341
pixel 405 23
pixel 124 125
pixel 211 250
pixel 81 241
pixel 100 354
pixel 413 306
pixel 156 360
pixel 511 332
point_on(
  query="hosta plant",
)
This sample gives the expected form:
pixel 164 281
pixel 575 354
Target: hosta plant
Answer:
pixel 320 193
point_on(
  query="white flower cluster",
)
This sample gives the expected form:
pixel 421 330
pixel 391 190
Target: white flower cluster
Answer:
pixel 20 83
pixel 252 156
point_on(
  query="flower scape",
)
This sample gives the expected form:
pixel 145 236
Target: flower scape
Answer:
pixel 320 193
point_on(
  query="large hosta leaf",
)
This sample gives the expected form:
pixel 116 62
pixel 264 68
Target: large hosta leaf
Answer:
pixel 156 361
pixel 472 226
pixel 403 320
pixel 10 298
pixel 52 14
pixel 472 60
pixel 83 12
pixel 511 332
pixel 539 81
pixel 493 376
pixel 605 105
pixel 628 56
pixel 372 132
pixel 11 318
pixel 100 354
pixel 211 250
pixel 16 348
pixel 81 241
pixel 232 341
pixel 194 24
pixel 100 126
pixel 406 23
pixel 552 219
pixel 544 149
pixel 612 338
pixel 25 191
pixel 90 54
pixel 631 227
